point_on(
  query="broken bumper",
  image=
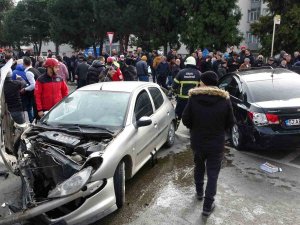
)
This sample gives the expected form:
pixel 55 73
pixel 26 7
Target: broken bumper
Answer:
pixel 98 204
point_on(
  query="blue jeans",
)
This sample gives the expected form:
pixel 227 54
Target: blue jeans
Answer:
pixel 18 117
pixel 27 102
pixel 170 81
pixel 143 78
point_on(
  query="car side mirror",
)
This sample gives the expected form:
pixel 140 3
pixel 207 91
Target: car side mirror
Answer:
pixel 144 121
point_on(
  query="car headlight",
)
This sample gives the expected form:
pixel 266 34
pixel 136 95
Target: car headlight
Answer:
pixel 71 185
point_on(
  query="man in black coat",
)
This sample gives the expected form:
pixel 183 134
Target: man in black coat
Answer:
pixel 208 114
pixel 81 72
pixel 13 99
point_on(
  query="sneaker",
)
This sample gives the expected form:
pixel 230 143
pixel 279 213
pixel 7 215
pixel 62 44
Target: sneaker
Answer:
pixel 208 210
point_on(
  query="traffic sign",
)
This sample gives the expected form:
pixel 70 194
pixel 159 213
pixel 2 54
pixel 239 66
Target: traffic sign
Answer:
pixel 277 19
pixel 110 37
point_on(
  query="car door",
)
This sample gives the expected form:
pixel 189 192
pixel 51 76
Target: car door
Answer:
pixel 161 115
pixel 6 125
pixel 144 136
pixel 233 85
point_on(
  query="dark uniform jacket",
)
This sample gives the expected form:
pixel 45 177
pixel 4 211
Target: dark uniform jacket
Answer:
pixel 12 94
pixel 185 80
pixel 82 70
pixel 93 74
pixel 208 114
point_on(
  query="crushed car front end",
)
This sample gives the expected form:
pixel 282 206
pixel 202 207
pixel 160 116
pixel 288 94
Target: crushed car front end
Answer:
pixel 56 169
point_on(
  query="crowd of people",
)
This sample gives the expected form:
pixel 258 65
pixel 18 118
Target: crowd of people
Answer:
pixel 33 90
pixel 131 66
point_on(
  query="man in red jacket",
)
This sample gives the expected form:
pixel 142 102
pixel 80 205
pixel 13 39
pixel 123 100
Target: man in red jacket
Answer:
pixel 49 88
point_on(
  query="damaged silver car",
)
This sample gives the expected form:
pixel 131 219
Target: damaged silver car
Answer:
pixel 73 163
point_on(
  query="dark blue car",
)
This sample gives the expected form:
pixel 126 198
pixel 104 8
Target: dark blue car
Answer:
pixel 266 104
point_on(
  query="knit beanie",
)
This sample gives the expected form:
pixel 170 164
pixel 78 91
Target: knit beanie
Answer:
pixel 209 78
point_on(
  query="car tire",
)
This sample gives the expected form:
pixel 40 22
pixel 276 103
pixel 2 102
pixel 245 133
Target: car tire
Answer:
pixel 171 135
pixel 119 184
pixel 237 139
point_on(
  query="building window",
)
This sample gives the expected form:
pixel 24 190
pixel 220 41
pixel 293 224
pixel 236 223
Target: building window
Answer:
pixel 265 11
pixel 253 14
pixel 253 39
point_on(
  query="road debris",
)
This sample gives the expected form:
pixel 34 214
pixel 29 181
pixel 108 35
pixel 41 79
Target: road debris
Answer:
pixel 268 167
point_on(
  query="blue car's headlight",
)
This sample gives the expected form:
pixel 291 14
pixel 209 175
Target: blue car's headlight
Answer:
pixel 72 185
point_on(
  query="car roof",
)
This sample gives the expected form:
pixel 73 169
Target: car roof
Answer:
pixel 266 74
pixel 123 86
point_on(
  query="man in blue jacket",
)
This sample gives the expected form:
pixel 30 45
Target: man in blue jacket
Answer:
pixel 142 69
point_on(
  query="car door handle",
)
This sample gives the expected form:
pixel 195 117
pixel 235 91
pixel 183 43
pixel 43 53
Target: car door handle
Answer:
pixel 155 125
pixel 168 113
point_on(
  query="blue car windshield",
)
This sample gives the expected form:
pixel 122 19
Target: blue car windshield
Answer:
pixel 94 108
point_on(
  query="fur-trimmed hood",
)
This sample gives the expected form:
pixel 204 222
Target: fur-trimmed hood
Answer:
pixel 210 91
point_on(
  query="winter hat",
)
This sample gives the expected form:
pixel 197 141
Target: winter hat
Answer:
pixel 209 78
pixel 110 59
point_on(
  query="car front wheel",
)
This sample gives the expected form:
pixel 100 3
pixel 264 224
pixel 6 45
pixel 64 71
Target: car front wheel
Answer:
pixel 171 135
pixel 119 184
pixel 237 137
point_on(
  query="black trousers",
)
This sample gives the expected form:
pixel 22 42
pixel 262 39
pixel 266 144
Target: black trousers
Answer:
pixel 81 83
pixel 162 81
pixel 153 75
pixel 209 161
pixel 180 105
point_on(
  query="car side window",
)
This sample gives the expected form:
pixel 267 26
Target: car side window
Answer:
pixel 143 105
pixel 230 84
pixel 157 97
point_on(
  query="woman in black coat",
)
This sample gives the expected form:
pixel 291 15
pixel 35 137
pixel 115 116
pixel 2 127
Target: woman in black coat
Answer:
pixel 208 114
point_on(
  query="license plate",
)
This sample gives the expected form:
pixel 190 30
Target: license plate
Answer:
pixel 292 122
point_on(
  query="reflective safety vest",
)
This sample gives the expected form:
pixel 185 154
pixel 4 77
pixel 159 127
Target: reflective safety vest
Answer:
pixel 185 80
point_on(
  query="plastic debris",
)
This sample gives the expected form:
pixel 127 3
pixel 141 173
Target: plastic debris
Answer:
pixel 268 167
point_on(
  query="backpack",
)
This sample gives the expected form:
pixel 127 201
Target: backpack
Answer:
pixel 35 72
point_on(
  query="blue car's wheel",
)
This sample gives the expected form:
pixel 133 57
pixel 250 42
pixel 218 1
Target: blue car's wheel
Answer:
pixel 237 137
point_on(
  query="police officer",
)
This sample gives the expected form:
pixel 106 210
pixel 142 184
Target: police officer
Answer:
pixel 185 80
pixel 208 114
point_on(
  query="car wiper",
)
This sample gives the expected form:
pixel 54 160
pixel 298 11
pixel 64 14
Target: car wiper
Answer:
pixel 80 126
pixel 44 123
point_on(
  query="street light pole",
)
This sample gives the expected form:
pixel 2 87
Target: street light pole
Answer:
pixel 277 19
pixel 273 37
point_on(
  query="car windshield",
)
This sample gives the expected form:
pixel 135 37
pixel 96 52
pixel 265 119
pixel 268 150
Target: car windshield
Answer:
pixel 277 89
pixel 92 108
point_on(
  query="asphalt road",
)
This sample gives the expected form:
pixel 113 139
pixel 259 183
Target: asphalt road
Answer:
pixel 164 194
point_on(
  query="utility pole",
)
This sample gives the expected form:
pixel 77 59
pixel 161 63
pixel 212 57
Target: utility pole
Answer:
pixel 277 19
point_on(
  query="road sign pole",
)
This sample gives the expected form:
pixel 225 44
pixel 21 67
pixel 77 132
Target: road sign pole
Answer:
pixel 110 36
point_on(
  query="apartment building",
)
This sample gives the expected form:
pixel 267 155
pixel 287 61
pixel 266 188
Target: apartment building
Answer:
pixel 251 11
